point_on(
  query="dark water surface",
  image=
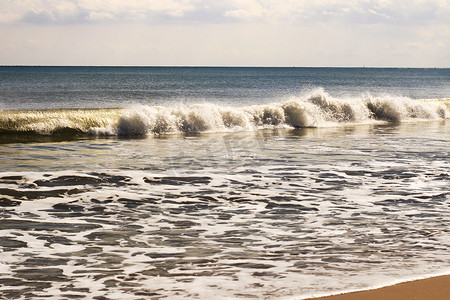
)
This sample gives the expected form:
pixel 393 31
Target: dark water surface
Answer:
pixel 101 87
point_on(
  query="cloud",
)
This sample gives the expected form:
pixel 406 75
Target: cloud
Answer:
pixel 343 11
pixel 247 9
pixel 82 11
pixel 100 16
pixel 226 32
pixel 265 11
pixel 138 8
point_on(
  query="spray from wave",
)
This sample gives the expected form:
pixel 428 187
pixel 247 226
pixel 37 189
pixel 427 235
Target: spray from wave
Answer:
pixel 317 109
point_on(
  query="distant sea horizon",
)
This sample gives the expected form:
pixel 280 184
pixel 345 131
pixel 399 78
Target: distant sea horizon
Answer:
pixel 230 66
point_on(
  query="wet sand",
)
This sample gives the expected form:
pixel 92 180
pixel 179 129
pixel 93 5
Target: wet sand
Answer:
pixel 435 288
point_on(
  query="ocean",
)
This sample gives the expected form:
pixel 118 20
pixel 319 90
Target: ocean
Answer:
pixel 221 183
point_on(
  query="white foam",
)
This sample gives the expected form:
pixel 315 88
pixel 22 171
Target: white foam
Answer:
pixel 314 109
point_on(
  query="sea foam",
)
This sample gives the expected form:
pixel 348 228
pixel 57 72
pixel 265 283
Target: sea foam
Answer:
pixel 316 109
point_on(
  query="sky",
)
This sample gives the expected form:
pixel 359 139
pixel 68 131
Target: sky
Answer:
pixel 371 33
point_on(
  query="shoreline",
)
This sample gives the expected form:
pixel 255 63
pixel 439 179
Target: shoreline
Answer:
pixel 433 288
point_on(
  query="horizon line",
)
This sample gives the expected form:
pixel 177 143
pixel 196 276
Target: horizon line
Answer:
pixel 223 66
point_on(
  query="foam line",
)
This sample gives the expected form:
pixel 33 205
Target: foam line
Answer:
pixel 317 109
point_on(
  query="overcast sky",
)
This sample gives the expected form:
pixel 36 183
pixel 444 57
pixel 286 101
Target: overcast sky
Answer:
pixel 412 33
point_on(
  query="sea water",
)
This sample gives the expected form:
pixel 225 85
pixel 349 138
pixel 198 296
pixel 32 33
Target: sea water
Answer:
pixel 221 183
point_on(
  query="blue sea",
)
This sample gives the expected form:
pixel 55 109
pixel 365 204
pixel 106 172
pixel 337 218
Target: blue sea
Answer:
pixel 221 183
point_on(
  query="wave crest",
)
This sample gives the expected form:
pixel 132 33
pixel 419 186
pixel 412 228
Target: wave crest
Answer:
pixel 317 109
pixel 399 109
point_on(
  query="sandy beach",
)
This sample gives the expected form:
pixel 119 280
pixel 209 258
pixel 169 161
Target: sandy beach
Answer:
pixel 435 288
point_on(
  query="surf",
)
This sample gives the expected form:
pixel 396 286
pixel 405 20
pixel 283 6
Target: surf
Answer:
pixel 316 109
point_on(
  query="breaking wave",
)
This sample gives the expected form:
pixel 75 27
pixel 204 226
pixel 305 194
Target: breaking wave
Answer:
pixel 317 109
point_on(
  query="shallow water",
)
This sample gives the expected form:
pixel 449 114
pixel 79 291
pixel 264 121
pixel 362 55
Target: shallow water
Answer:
pixel 267 213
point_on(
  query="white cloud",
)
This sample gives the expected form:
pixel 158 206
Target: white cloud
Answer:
pixel 246 9
pixel 379 14
pixel 100 16
pixel 343 11
pixel 136 7
pixel 237 32
pixel 79 11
